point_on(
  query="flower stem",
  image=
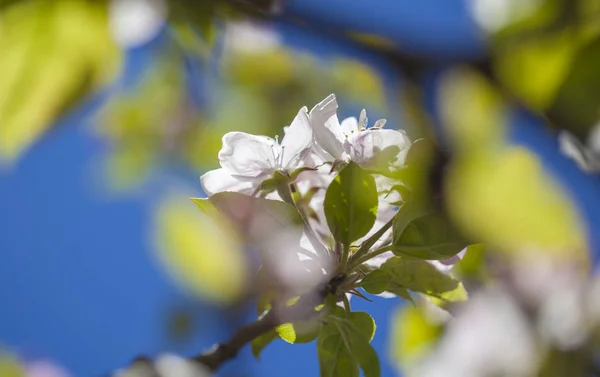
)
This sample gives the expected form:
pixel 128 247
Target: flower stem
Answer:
pixel 346 303
pixel 365 258
pixel 345 254
pixel 284 190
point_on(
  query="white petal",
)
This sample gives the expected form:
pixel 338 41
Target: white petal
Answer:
pixel 247 155
pixel 377 148
pixel 297 140
pixel 219 180
pixel 327 128
pixel 349 126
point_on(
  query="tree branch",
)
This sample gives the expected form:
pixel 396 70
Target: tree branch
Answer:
pixel 245 334
pixel 220 353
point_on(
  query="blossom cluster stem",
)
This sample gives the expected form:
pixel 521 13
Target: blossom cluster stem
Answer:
pixel 366 257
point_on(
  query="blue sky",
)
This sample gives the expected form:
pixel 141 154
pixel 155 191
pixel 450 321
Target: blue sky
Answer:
pixel 79 284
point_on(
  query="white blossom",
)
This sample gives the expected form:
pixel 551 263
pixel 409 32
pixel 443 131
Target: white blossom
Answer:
pixel 351 140
pixel 247 160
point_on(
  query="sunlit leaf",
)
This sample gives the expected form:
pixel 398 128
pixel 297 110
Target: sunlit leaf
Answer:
pixel 54 52
pixel 351 204
pixel 413 335
pixel 535 68
pixel 508 200
pixel 203 255
pixel 473 112
pixel 300 331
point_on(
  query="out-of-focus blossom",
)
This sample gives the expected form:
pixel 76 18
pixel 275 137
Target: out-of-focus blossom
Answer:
pixel 166 365
pixel 490 337
pixel 492 15
pixel 250 37
pixel 44 368
pixel 136 22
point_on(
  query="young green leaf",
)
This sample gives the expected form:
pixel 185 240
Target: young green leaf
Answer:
pixel 429 237
pixel 351 204
pixel 300 331
pixel 343 345
pixel 398 274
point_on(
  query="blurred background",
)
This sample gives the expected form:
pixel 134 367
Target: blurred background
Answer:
pixel 111 110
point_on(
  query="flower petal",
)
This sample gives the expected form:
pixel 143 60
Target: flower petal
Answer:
pixel 327 128
pixel 247 155
pixel 220 180
pixel 297 140
pixel 379 148
pixel 349 126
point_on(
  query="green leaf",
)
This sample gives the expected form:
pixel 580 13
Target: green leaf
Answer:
pixel 259 343
pixel 239 209
pixel 429 237
pixel 413 335
pixel 351 204
pixel 405 215
pixel 54 52
pixel 472 264
pixel 300 331
pixel 398 274
pixel 378 281
pixel 205 258
pixel 343 345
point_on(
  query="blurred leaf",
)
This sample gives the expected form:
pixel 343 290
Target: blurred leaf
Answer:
pixel 413 335
pixel 429 237
pixel 472 264
pixel 472 111
pixel 398 274
pixel 147 122
pixel 530 211
pixel 54 52
pixel 577 104
pixel 524 17
pixel 259 343
pixel 351 204
pixel 201 254
pixel 535 68
pixel 10 367
pixel 343 345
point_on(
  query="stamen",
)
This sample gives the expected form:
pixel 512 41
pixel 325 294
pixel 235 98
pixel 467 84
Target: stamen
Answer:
pixel 281 159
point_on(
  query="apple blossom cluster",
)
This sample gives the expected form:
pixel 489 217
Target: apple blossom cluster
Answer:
pixel 330 210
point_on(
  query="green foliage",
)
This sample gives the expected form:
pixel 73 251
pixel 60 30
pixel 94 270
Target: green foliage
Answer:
pixel 233 207
pixel 344 345
pixel 351 204
pixel 398 274
pixel 413 335
pixel 202 254
pixel 300 331
pixel 430 237
pixel 53 52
